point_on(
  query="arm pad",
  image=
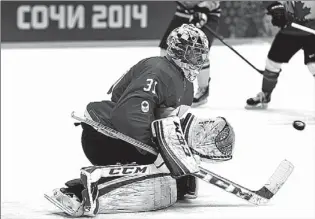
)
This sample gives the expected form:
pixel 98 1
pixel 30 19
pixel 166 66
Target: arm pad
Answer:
pixel 173 147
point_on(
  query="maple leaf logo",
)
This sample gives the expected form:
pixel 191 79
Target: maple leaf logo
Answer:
pixel 300 11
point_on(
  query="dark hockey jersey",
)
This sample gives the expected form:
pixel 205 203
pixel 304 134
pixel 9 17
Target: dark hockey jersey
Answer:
pixel 149 86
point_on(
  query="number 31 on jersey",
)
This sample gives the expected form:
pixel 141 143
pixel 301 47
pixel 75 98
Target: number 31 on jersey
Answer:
pixel 150 86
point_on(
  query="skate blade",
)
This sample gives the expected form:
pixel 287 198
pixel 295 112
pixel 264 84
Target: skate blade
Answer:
pixel 257 107
pixel 60 206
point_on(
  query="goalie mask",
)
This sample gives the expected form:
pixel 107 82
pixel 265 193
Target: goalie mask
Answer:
pixel 188 46
pixel 211 139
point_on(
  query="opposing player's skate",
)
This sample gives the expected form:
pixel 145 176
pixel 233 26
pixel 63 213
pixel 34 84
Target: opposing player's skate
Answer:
pixel 259 102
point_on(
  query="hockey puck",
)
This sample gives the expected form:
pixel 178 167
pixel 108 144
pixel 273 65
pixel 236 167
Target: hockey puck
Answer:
pixel 299 125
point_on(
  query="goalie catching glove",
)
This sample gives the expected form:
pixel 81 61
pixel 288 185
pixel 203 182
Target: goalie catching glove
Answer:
pixel 211 139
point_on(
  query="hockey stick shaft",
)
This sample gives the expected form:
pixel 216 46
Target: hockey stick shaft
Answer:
pixel 226 44
pixel 114 134
pixel 301 27
pixel 230 47
pixel 261 196
pixel 230 187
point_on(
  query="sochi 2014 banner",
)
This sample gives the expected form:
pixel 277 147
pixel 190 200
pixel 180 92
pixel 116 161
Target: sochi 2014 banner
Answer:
pixel 90 21
pixel 54 21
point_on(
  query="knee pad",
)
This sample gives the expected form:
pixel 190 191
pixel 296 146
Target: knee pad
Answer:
pixel 162 52
pixel 273 66
pixel 311 68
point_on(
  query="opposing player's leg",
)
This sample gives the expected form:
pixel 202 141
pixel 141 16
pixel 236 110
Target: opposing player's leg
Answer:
pixel 203 79
pixel 202 92
pixel 270 80
pixel 309 53
pixel 282 49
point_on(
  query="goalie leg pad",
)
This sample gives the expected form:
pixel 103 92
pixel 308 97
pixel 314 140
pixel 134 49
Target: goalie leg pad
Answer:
pixel 137 193
pixel 173 147
pixel 127 188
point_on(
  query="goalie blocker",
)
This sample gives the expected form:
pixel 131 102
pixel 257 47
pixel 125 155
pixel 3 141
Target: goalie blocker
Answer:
pixel 109 189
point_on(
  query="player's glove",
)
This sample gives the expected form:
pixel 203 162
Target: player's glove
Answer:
pixel 199 19
pixel 280 16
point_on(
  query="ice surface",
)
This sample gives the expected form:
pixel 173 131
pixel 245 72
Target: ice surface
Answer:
pixel 40 147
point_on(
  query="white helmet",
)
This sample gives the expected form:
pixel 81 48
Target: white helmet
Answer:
pixel 188 46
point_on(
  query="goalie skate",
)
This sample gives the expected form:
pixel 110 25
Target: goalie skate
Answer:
pixel 68 203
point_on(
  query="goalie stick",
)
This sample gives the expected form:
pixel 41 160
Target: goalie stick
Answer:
pixel 115 134
pixel 259 197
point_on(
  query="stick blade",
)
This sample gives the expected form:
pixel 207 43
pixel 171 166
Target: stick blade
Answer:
pixel 276 181
pixel 280 176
